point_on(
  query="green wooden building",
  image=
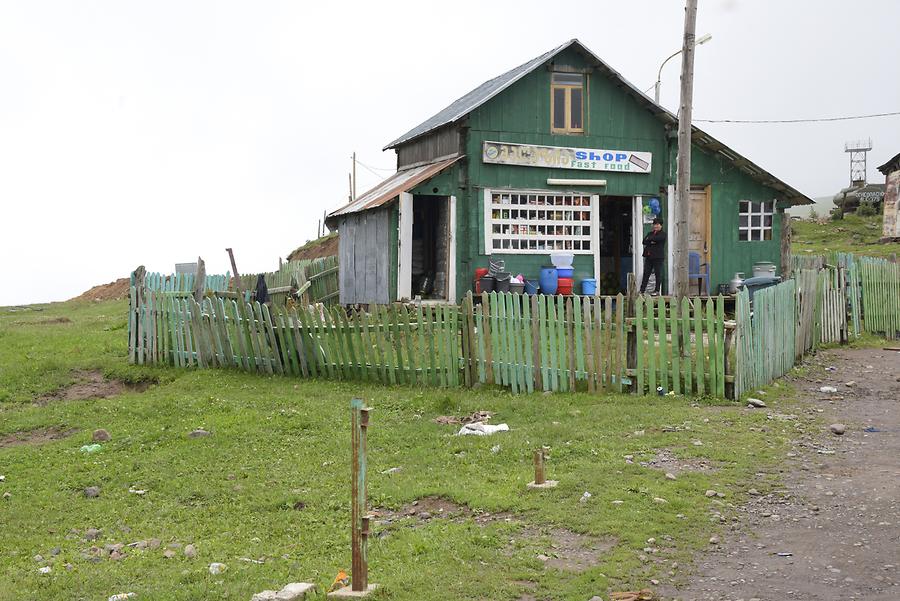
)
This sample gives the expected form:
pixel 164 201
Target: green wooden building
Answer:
pixel 560 153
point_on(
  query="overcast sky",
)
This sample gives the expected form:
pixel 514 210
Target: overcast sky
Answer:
pixel 153 132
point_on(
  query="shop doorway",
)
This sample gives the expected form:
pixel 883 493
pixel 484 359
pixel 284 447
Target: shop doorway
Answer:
pixel 427 248
pixel 615 231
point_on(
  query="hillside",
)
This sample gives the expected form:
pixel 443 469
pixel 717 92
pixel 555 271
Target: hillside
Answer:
pixel 326 246
pixel 850 234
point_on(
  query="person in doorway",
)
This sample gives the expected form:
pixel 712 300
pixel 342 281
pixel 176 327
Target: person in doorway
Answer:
pixel 654 255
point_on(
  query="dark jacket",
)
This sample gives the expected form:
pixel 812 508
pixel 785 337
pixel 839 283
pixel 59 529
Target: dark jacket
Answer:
pixel 655 245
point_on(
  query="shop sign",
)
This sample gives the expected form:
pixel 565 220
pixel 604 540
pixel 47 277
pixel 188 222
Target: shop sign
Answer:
pixel 564 157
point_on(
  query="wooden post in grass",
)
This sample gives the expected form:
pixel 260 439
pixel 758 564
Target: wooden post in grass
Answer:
pixel 359 533
pixel 539 467
pixel 540 481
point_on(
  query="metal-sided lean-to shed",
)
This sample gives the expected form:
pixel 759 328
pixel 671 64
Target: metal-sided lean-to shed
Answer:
pixel 560 153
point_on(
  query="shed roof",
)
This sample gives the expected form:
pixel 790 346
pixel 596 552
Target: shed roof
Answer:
pixel 480 95
pixel 401 181
pixel 890 166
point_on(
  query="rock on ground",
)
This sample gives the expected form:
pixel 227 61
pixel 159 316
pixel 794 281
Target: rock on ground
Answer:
pixel 101 435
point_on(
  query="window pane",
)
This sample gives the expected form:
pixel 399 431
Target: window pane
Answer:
pixel 767 221
pixel 568 79
pixel 745 206
pixel 742 235
pixel 767 235
pixel 575 111
pixel 559 108
pixel 743 220
pixel 754 220
pixel 755 235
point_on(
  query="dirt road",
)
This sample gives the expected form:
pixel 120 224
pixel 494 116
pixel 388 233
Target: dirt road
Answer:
pixel 833 531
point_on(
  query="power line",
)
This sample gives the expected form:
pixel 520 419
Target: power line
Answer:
pixel 375 168
pixel 819 120
pixel 370 170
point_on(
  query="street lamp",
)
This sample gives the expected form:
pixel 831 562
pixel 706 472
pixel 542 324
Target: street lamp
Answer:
pixel 701 40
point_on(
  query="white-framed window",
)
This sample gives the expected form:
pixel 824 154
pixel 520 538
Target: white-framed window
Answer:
pixel 755 220
pixel 520 222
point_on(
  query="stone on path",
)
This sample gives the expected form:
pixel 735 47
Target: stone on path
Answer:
pixel 190 551
pixel 710 493
pixel 266 595
pixel 216 568
pixel 294 591
pixel 198 433
pixel 92 492
pixel 101 435
pixel 91 534
pixel 751 402
pixel 837 429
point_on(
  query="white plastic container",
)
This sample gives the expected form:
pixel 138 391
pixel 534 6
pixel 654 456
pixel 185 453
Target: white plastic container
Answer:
pixel 563 260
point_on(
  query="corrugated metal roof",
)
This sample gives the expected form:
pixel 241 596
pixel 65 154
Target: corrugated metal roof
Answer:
pixel 477 97
pixel 401 181
pixel 461 107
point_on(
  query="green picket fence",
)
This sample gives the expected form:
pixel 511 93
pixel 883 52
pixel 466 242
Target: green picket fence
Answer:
pixel 526 343
pixel 880 283
pixel 182 282
pixel 680 346
pixel 765 345
pixel 316 279
pixel 546 343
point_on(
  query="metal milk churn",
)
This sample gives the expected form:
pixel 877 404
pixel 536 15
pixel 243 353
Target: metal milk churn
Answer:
pixel 736 282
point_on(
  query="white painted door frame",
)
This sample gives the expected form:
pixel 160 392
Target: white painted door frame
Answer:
pixel 637 236
pixel 451 250
pixel 595 237
pixel 404 247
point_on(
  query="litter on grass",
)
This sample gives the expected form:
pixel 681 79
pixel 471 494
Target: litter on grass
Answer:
pixel 478 416
pixel 828 389
pixel 480 429
pixel 90 448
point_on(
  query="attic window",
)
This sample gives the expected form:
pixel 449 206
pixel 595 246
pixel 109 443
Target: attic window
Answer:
pixel 567 103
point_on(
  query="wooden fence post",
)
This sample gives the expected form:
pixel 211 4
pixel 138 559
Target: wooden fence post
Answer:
pixel 631 337
pixel 730 327
pixel 359 417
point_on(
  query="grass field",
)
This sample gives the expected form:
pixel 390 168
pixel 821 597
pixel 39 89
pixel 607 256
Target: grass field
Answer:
pixel 271 483
pixel 850 234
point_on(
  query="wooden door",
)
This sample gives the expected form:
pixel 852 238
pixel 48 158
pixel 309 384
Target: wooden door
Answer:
pixel 699 239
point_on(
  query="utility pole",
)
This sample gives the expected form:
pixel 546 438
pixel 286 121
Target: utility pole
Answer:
pixel 353 191
pixel 683 178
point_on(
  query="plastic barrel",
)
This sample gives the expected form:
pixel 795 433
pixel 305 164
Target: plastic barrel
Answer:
pixel 549 279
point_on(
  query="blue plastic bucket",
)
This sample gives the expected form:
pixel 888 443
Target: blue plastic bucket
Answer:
pixel 565 272
pixel 549 279
pixel 589 286
pixel 531 286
